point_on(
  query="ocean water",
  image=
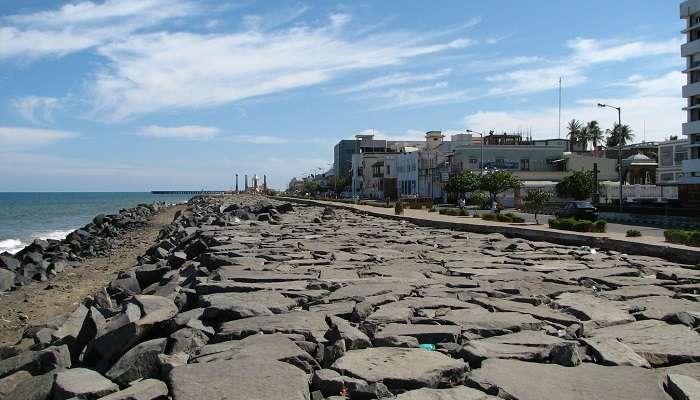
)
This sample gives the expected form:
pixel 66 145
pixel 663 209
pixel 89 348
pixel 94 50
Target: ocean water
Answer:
pixel 28 216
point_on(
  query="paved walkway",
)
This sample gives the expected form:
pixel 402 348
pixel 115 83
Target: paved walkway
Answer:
pixel 652 244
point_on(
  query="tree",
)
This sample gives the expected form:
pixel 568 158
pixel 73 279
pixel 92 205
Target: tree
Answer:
pixel 337 184
pixel 624 132
pixel 575 128
pixel 594 134
pixel 579 185
pixel 463 182
pixel 536 199
pixel 497 182
pixel 311 187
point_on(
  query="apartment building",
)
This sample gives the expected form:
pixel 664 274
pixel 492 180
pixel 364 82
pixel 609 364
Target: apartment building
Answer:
pixel 670 157
pixel 690 188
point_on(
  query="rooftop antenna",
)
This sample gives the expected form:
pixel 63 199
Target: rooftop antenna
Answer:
pixel 559 108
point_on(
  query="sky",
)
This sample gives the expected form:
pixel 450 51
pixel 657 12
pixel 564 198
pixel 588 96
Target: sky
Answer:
pixel 139 95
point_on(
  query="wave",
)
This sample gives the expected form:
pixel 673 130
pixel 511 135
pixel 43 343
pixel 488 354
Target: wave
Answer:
pixel 11 246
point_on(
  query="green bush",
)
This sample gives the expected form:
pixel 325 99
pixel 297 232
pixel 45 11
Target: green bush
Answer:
pixel 442 211
pixel 432 209
pixel 601 225
pixel 572 224
pixel 690 238
pixel 398 208
pixel 504 218
pixel 489 217
pixel 415 206
pixel 583 226
pixel 463 212
pixel 633 233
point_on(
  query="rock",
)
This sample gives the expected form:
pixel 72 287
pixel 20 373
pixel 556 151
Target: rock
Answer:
pixel 221 302
pixel 540 312
pixel 147 389
pixel 400 368
pixel 485 323
pixel 661 307
pixel 269 347
pixel 168 362
pixel 79 329
pixel 609 351
pixel 34 388
pixel 682 387
pixel 658 342
pixel 330 382
pixel 36 362
pixel 10 382
pixel 594 311
pixel 242 381
pixel 396 341
pixel 423 332
pixel 138 363
pixel 532 381
pixel 311 325
pixel 8 262
pixel 341 329
pixel 457 393
pixel 7 280
pixel 82 383
pixel 525 346
pixel 186 340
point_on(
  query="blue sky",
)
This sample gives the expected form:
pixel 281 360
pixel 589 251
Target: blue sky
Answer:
pixel 134 95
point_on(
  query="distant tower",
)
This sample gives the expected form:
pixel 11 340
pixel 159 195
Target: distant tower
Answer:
pixel 236 183
pixel 246 182
pixel 265 182
pixel 255 183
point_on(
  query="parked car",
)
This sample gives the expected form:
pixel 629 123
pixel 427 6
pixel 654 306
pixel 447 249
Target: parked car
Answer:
pixel 578 210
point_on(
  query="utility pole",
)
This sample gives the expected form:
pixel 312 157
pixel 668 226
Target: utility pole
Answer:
pixel 596 192
pixel 560 107
pixel 619 146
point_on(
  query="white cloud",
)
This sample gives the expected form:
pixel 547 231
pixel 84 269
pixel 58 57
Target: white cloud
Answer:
pixel 186 132
pixel 79 26
pixel 666 85
pixel 572 68
pixel 165 71
pixel 394 80
pixel 35 109
pixel 14 138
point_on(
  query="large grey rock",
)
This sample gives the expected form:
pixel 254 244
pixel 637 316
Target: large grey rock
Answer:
pixel 37 387
pixel 400 368
pixel 425 333
pixel 532 381
pixel 261 347
pixel 79 329
pixel 10 382
pixel 83 384
pixel 610 351
pixel 7 280
pixel 485 323
pixel 524 346
pixel 274 301
pixel 36 362
pixel 682 387
pixel 147 389
pixel 662 307
pixel 594 311
pixel 658 342
pixel 457 393
pixel 340 329
pixel 543 313
pixel 249 380
pixel 186 340
pixel 138 363
pixel 311 325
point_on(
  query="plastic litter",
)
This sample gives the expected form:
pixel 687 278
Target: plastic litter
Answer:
pixel 427 346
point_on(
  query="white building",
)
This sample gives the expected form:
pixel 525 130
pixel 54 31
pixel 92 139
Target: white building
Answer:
pixel 407 166
pixel 671 155
pixel 690 11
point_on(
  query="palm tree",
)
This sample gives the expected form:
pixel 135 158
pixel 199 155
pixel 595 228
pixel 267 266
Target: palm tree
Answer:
pixel 575 127
pixel 624 132
pixel 595 134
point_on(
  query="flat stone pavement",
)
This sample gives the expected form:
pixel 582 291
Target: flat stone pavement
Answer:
pixel 247 298
pixel 652 245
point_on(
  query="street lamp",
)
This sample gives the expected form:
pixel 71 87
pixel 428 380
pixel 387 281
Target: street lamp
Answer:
pixel 619 145
pixel 481 164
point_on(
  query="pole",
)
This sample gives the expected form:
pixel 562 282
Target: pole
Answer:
pixel 619 150
pixel 482 155
pixel 559 108
pixel 236 183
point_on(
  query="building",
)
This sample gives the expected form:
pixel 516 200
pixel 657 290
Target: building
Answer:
pixel 670 157
pixel 639 169
pixel 690 190
pixel 342 157
pixel 407 169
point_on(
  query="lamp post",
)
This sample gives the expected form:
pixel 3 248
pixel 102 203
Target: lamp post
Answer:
pixel 619 145
pixel 481 164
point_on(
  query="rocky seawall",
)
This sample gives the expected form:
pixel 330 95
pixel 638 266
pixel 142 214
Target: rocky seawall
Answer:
pixel 246 298
pixel 43 259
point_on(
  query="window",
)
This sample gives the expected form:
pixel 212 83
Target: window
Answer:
pixel 473 160
pixel 388 169
pixel 524 164
pixel 500 162
pixel 681 154
pixel 666 156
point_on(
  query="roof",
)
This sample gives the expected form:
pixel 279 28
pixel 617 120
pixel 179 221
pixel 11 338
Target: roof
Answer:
pixel 638 157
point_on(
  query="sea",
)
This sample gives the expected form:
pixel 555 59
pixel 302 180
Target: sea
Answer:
pixel 44 215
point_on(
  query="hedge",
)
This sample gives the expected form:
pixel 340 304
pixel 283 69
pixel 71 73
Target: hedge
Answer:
pixel 690 238
pixel 507 217
pixel 572 224
pixel 633 233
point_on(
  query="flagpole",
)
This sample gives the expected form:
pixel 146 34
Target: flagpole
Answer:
pixel 560 107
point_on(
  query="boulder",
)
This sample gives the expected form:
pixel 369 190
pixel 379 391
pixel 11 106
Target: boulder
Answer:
pixel 485 323
pixel 9 262
pixel 187 340
pixel 83 384
pixel 682 387
pixel 36 362
pixel 610 351
pixel 7 280
pixel 402 369
pixel 457 393
pixel 341 329
pixel 424 333
pixel 526 346
pixel 10 382
pixel 311 325
pixel 147 389
pixel 252 379
pixel 594 311
pixel 34 388
pixel 138 363
pixel 532 381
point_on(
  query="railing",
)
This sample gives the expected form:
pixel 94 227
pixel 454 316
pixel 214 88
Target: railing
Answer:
pixel 642 192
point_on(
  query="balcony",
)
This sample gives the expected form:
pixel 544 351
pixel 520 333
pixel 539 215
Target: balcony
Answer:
pixel 689 8
pixel 691 127
pixel 690 48
pixel 691 165
pixel 691 90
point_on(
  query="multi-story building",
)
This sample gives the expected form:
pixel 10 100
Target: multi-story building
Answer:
pixel 342 157
pixel 670 157
pixel 690 190
pixel 407 169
